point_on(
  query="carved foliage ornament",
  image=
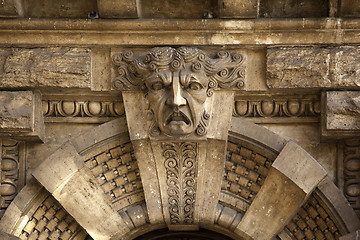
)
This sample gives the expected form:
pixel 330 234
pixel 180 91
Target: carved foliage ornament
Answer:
pixel 178 83
pixel 181 167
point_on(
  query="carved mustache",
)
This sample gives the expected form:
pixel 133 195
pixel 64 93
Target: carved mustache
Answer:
pixel 177 117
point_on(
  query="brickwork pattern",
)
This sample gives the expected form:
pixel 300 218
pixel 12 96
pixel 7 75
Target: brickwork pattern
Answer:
pixel 245 170
pixel 314 221
pixel 51 222
pixel 116 170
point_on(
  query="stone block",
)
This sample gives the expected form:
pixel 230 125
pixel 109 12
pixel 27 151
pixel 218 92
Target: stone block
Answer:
pixel 61 171
pixel 293 8
pixel 278 199
pixel 20 115
pixel 16 111
pixel 298 67
pixel 237 9
pixel 313 67
pixel 340 114
pixel 301 168
pixel 178 9
pixel 8 9
pixel 59 9
pixel 117 9
pixel 349 8
pixel 45 67
pixel 343 110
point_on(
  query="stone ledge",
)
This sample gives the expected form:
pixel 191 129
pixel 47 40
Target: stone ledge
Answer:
pixel 159 32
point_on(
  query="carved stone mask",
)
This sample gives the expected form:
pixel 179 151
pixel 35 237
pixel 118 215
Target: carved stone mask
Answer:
pixel 177 98
pixel 178 83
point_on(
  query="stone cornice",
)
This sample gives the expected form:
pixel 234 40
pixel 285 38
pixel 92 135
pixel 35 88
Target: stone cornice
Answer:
pixel 259 32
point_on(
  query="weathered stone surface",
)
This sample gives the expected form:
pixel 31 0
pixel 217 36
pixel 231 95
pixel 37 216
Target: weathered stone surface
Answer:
pixel 59 9
pixel 45 67
pixel 117 9
pixel 293 8
pixel 21 116
pixel 16 111
pixel 8 9
pixel 5 236
pixel 343 110
pixel 299 166
pixel 100 69
pixel 276 201
pixel 349 8
pixel 237 9
pixel 351 236
pixel 170 9
pixel 298 67
pixel 308 137
pixel 313 67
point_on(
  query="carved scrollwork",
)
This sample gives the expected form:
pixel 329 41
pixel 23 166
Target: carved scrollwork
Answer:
pixel 226 70
pixel 181 164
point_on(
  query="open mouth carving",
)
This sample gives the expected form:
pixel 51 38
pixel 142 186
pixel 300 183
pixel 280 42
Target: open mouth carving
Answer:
pixel 178 117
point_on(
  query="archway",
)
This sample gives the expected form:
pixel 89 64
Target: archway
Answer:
pixel 76 199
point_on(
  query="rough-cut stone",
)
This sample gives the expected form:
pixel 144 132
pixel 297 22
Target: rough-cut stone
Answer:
pixel 16 111
pixel 45 67
pixel 237 9
pixel 20 115
pixel 343 110
pixel 298 67
pixel 313 67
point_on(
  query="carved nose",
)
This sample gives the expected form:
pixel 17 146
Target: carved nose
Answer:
pixel 177 99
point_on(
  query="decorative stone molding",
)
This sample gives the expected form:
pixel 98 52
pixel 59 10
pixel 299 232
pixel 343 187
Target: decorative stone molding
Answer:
pixel 12 172
pixel 278 108
pixel 181 167
pixel 348 172
pixel 83 109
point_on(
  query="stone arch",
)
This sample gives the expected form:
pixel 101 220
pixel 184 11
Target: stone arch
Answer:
pixel 101 185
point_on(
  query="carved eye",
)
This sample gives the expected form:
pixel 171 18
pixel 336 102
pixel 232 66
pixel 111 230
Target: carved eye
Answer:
pixel 195 86
pixel 157 86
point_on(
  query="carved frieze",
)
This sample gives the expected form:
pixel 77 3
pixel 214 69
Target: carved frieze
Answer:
pixel 278 108
pixel 350 174
pixel 71 108
pixel 12 172
pixel 178 84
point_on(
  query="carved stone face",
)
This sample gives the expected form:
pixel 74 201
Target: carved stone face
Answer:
pixel 177 98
